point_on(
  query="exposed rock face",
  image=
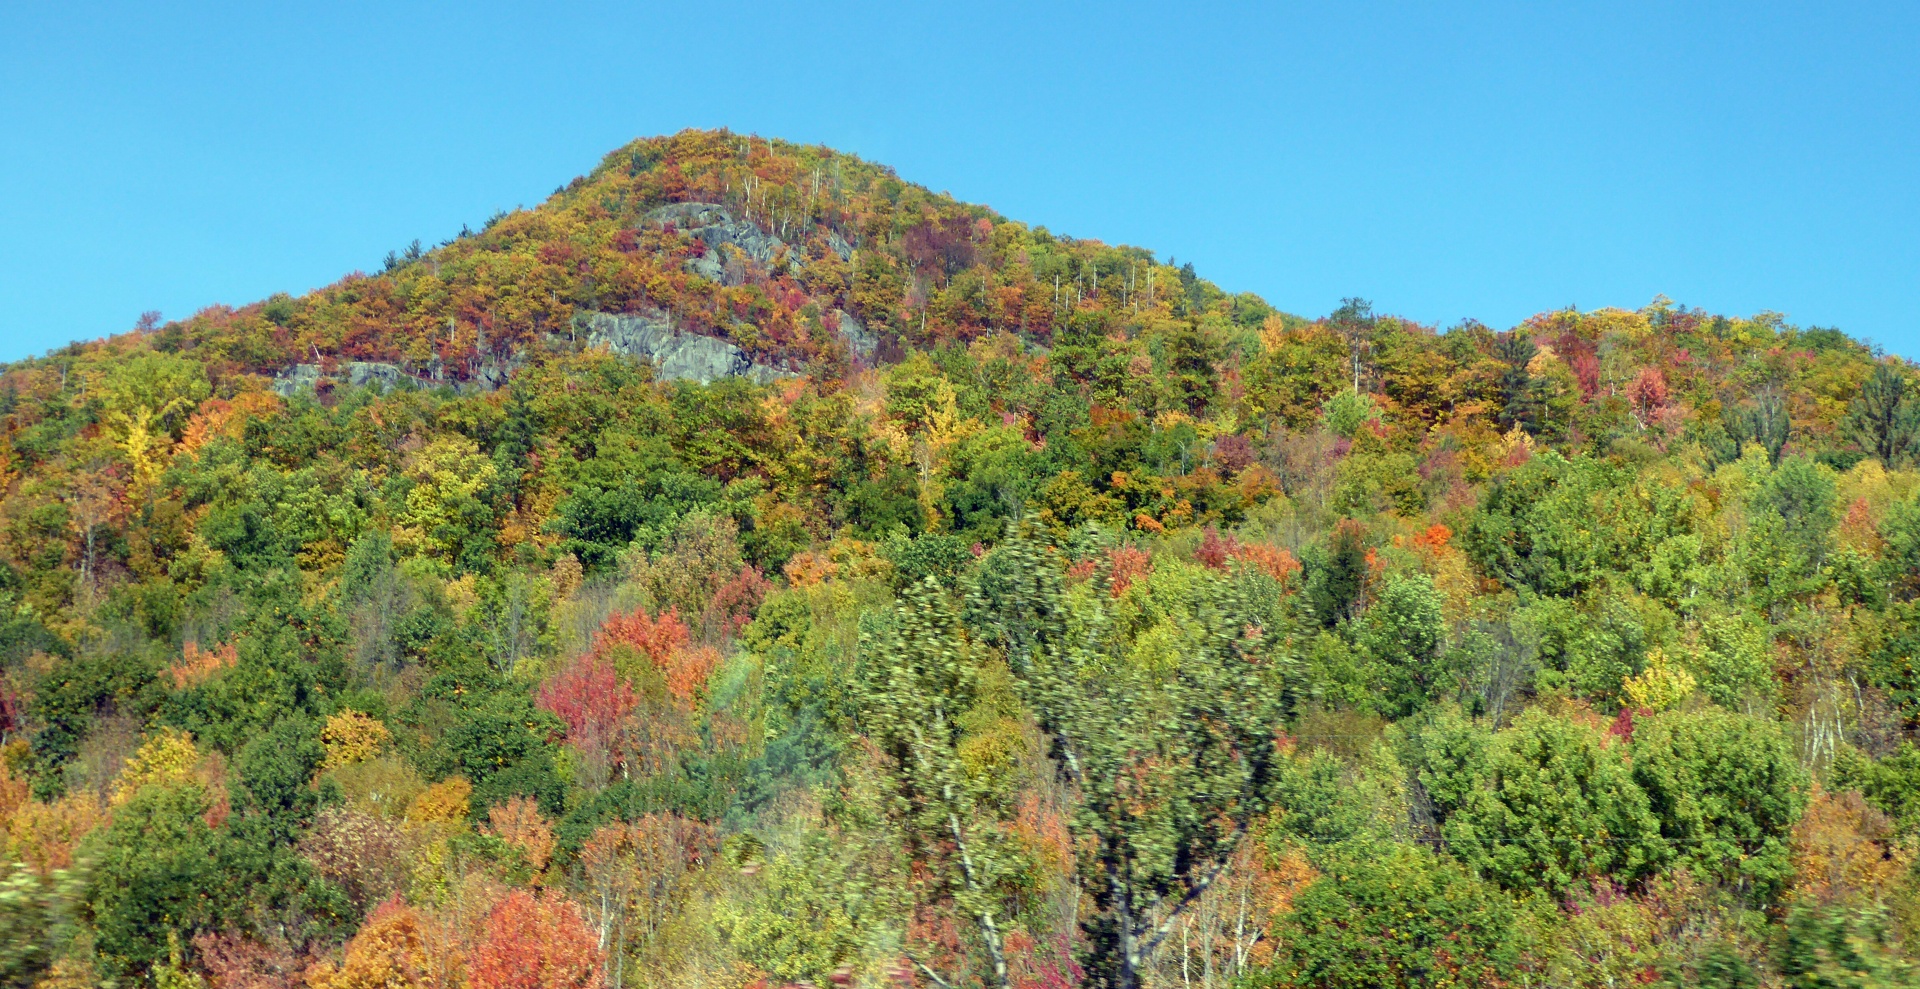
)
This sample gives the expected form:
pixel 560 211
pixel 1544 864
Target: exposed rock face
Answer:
pixel 709 267
pixel 296 379
pixel 860 341
pixel 716 224
pixel 492 372
pixel 675 354
pixel 763 374
pixel 307 377
pixel 361 373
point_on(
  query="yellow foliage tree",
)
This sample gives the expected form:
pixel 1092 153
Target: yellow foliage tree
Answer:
pixel 1843 851
pixel 165 759
pixel 449 801
pixel 146 396
pixel 351 737
pixel 390 952
pixel 1660 686
pixel 450 476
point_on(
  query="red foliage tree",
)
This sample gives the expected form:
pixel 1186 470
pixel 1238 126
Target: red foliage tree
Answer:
pixel 657 637
pixel 1274 561
pixel 1129 565
pixel 1215 550
pixel 590 697
pixel 733 604
pixel 1647 395
pixel 664 640
pixel 688 669
pixel 1233 453
pixel 535 943
pixel 595 702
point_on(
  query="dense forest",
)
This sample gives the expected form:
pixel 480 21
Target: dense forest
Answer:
pixel 1036 615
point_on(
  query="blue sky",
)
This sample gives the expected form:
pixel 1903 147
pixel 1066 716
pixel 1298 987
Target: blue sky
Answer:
pixel 1446 160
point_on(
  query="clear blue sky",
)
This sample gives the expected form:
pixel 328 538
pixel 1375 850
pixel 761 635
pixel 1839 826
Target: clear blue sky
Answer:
pixel 1446 161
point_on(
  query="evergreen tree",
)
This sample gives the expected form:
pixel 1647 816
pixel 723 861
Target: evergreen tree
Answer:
pixel 1885 418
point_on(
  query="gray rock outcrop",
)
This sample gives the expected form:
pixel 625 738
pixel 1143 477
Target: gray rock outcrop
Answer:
pixel 708 266
pixel 361 373
pixel 860 341
pixel 307 377
pixel 675 354
pixel 296 379
pixel 716 225
pixel 491 373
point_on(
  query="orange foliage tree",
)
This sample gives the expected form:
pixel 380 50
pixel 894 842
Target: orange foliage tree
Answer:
pixel 535 943
pixel 390 952
pixel 518 823
pixel 665 642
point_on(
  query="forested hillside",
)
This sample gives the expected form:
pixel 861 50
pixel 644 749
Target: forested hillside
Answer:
pixel 748 568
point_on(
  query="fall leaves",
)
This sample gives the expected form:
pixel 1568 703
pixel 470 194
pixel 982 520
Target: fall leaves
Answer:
pixel 525 941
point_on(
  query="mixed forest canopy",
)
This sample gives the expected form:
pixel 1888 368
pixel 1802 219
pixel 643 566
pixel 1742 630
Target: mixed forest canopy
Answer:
pixel 748 568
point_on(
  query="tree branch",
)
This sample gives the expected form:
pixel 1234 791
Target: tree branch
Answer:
pixel 931 974
pixel 1194 892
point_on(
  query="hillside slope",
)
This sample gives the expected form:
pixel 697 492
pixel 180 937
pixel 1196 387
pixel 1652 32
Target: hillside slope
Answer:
pixel 749 568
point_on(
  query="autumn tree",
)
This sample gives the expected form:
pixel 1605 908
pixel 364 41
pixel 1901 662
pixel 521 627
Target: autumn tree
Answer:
pixel 535 942
pixel 635 876
pixel 594 701
pixel 390 952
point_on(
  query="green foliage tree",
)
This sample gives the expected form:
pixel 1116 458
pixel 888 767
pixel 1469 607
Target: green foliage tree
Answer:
pixel 1191 355
pixel 39 916
pixel 1764 422
pixel 808 914
pixel 928 700
pixel 158 870
pixel 1404 636
pixel 1394 915
pixel 1347 413
pixel 1885 417
pixel 1544 804
pixel 275 772
pixel 1534 528
pixel 1726 790
pixel 1791 512
pixel 1337 575
pixel 1165 727
pixel 1840 948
